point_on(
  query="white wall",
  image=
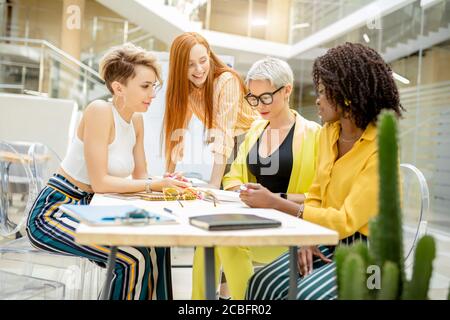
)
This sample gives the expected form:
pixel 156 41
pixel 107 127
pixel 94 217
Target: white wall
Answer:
pixel 38 119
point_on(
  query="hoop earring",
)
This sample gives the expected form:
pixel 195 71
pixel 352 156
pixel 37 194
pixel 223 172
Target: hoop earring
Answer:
pixel 118 105
pixel 124 105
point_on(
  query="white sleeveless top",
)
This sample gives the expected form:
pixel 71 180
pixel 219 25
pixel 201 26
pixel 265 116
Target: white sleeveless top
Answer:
pixel 120 153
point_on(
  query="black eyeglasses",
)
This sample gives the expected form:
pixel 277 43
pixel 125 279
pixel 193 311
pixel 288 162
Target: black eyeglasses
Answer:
pixel 265 98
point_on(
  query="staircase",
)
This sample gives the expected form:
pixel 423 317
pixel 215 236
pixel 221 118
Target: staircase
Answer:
pixel 38 67
pixel 415 44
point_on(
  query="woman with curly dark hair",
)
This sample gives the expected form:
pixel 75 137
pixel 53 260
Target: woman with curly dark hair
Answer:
pixel 353 84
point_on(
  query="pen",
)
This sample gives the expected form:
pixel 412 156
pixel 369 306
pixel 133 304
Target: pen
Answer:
pixel 110 218
pixel 168 210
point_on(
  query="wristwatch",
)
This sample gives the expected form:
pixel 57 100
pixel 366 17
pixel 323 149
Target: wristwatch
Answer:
pixel 283 195
pixel 148 186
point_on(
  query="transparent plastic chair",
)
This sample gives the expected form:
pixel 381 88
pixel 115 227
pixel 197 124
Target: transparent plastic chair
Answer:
pixel 415 206
pixel 21 287
pixel 18 189
pixel 22 182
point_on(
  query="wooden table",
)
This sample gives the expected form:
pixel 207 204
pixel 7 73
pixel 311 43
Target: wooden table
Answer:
pixel 19 157
pixel 293 233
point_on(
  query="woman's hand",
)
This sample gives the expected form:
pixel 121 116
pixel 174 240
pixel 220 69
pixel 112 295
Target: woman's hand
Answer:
pixel 305 258
pixel 160 184
pixel 176 175
pixel 257 196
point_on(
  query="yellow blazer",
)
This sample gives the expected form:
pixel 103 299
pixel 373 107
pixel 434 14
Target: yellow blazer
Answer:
pixel 304 149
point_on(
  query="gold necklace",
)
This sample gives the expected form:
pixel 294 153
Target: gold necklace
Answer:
pixel 349 140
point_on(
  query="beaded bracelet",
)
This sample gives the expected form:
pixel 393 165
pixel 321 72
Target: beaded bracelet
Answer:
pixel 300 211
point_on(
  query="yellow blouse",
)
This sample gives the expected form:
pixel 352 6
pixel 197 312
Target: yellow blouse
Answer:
pixel 233 116
pixel 344 194
pixel 304 149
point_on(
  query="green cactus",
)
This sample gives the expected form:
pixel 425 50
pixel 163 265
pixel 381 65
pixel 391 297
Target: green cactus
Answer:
pixel 417 288
pixel 361 248
pixel 354 276
pixel 374 234
pixel 389 282
pixel 386 242
pixel 340 255
pixel 388 237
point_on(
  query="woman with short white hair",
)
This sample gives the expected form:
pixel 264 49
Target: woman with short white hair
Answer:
pixel 278 153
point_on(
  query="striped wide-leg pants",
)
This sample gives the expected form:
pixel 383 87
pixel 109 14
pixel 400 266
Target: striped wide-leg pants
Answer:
pixel 139 272
pixel 272 281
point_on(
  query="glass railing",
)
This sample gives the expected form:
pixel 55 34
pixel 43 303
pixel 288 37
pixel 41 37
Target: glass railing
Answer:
pixel 107 32
pixel 48 71
pixel 310 16
pixel 425 141
pixel 252 17
pixel 31 62
pixel 400 33
pixel 99 33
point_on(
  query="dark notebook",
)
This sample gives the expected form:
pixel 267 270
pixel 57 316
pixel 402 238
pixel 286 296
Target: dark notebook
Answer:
pixel 232 221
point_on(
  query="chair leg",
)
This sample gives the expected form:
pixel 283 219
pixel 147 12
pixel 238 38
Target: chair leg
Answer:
pixel 83 272
pixel 168 267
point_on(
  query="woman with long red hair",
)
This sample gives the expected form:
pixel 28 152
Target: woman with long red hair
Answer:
pixel 200 83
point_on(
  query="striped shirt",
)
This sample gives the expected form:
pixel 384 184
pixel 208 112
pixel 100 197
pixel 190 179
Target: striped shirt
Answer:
pixel 232 115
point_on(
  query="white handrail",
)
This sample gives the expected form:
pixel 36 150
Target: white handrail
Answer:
pixel 60 52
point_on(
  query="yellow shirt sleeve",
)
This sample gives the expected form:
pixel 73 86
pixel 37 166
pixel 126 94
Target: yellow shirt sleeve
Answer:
pixel 355 212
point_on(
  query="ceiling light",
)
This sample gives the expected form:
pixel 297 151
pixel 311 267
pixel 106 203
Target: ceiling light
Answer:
pixel 300 25
pixel 400 78
pixel 366 38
